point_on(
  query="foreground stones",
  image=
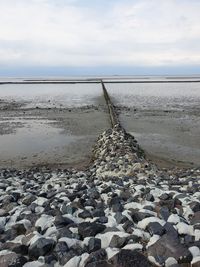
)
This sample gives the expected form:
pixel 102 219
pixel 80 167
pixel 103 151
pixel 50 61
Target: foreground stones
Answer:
pixel 132 215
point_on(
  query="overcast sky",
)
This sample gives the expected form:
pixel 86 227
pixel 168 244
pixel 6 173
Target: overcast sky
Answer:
pixel 112 36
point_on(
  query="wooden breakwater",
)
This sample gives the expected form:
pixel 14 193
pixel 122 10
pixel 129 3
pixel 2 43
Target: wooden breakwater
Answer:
pixel 111 109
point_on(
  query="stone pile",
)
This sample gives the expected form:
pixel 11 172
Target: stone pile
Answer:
pixel 120 212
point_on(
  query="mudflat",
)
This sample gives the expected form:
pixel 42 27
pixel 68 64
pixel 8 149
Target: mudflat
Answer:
pixel 51 137
pixel 169 137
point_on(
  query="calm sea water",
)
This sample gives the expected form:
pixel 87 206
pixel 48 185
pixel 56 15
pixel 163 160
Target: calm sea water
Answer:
pixel 155 95
pixel 51 95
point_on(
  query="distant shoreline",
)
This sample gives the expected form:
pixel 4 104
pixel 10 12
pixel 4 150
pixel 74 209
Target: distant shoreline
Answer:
pixel 95 81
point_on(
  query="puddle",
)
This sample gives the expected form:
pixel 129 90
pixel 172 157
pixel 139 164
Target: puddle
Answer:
pixel 34 142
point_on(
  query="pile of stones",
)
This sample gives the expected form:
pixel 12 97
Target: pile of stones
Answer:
pixel 120 212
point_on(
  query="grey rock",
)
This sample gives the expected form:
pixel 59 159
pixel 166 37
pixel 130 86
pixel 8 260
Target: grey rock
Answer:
pixel 12 260
pixel 117 242
pixel 41 247
pixel 155 228
pixel 94 244
pixel 128 258
pixel 90 229
pixel 169 246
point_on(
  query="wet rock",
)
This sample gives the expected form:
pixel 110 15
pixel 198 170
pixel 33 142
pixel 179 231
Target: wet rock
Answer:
pixel 117 241
pixel 94 244
pixel 90 229
pixel 155 228
pixel 196 218
pixel 96 258
pixel 11 259
pixel 169 246
pixel 41 247
pixel 138 216
pixel 128 258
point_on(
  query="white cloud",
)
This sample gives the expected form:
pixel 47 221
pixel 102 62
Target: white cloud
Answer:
pixel 137 32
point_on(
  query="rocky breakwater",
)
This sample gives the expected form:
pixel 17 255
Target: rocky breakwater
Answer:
pixel 117 154
pixel 120 212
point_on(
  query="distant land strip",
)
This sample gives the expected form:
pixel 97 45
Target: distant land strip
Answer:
pixel 93 81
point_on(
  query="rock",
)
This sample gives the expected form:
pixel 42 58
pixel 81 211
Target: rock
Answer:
pixel 117 241
pixel 96 258
pixel 41 247
pixel 90 229
pixel 68 209
pixel 128 258
pixel 61 252
pixel 164 213
pixel 11 259
pixel 120 218
pixel 195 206
pixel 196 218
pixel 85 214
pixel 169 246
pixel 61 221
pixel 155 228
pixel 94 244
pixel 138 216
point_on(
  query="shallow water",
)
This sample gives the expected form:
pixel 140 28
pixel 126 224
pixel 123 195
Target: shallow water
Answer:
pixel 155 95
pixel 51 95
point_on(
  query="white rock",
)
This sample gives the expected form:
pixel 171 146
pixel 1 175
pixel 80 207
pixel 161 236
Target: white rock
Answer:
pixel 106 237
pixel 174 219
pixel 153 240
pixel 111 252
pixel 40 201
pixel 74 262
pixel 170 261
pixel 45 221
pixel 195 251
pixel 185 229
pixel 144 223
pixel 133 246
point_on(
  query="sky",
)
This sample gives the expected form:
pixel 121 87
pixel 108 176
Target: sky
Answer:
pixel 99 37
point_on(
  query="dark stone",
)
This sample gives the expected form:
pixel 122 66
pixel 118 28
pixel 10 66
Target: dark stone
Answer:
pixel 15 247
pixel 102 219
pixel 164 213
pixel 60 252
pixel 128 226
pixel 28 200
pixel 117 242
pixel 120 218
pixel 61 221
pixel 68 209
pixel 94 244
pixel 128 258
pixel 150 197
pixel 19 228
pixel 64 232
pixel 138 216
pixel 196 218
pixel 41 247
pixel 98 256
pixel 86 229
pixel 170 230
pixel 117 207
pixel 164 196
pixel 155 228
pixel 98 213
pixel 85 214
pixel 169 246
pixel 12 260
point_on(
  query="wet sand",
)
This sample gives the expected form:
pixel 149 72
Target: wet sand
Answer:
pixel 50 137
pixel 169 137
